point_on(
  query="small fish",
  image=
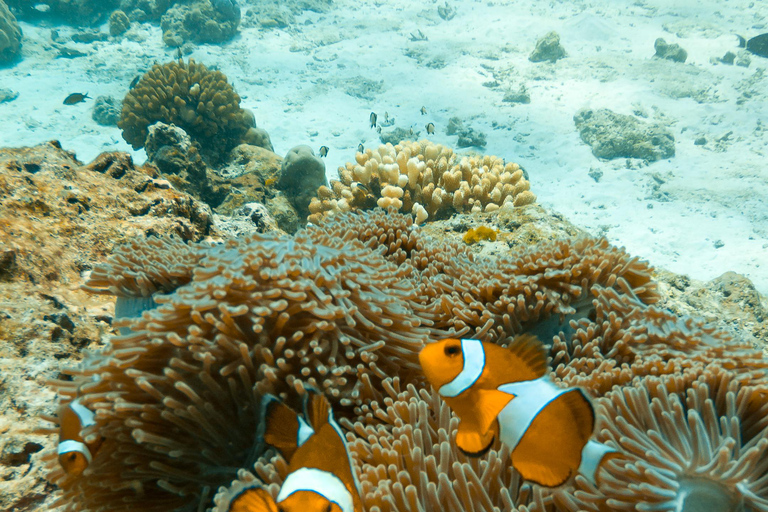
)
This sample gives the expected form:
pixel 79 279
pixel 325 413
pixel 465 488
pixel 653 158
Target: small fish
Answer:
pixel 320 468
pixel 74 453
pixel 386 116
pixel 270 181
pixel 373 119
pixel 323 151
pixel 758 45
pixel 179 56
pixel 378 129
pixel 357 184
pixel 423 111
pixel 75 98
pixel 134 81
pixel 430 128
pixel 361 148
pixel 505 393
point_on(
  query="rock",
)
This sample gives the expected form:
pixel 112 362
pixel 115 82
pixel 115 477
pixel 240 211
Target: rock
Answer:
pixel 468 137
pixel 521 95
pixel 728 58
pixel 106 110
pixel 671 52
pixel 199 22
pixel 119 23
pixel 161 134
pixel 398 134
pixel 614 135
pixel 548 48
pixel 60 218
pixel 284 213
pixel 10 35
pixel 302 173
pixel 7 95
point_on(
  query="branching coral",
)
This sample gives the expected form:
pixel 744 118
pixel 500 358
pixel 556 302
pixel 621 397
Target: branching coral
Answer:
pixel 188 95
pixel 427 179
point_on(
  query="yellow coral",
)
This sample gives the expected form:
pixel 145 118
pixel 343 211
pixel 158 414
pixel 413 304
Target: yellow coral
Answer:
pixel 435 182
pixel 474 235
pixel 188 95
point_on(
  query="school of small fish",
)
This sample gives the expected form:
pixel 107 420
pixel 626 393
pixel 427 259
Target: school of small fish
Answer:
pixel 498 394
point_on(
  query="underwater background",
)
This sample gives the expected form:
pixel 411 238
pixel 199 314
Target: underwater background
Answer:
pixel 511 137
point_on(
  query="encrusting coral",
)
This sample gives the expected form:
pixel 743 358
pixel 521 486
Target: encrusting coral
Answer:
pixel 424 178
pixel 190 96
pixel 345 306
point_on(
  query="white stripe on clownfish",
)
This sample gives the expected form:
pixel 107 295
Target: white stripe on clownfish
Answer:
pixel 75 446
pixel 315 480
pixel 474 364
pixel 85 415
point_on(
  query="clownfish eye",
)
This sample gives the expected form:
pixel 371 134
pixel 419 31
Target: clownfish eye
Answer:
pixel 452 350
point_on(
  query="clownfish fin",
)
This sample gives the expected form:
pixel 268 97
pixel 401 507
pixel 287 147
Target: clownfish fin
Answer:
pixel 531 353
pixel 488 403
pixel 284 430
pixel 240 499
pixel 550 451
pixel 472 443
pixel 317 410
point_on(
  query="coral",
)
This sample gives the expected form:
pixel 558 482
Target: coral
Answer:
pixel 188 95
pixel 474 235
pixel 118 23
pixel 10 35
pixel 301 174
pixel 671 52
pixel 412 176
pixel 106 110
pixel 687 445
pixel 612 135
pixel 201 21
pixel 548 48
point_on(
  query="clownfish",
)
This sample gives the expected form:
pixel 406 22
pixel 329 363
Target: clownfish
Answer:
pixel 505 394
pixel 74 453
pixel 320 476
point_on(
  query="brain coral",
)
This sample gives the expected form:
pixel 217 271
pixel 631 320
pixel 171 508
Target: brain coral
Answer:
pixel 188 95
pixel 427 179
pixel 10 35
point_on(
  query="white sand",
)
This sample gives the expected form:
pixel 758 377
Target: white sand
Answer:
pixel 715 214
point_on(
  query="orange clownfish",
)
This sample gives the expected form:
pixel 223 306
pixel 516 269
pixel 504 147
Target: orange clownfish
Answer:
pixel 506 394
pixel 74 453
pixel 320 477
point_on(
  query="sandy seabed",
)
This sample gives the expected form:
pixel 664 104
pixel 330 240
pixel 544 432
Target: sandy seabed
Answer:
pixel 701 213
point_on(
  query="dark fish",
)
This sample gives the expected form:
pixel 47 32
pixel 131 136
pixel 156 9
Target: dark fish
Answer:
pixel 758 45
pixel 134 81
pixel 361 148
pixel 361 187
pixel 76 98
pixel 431 128
pixel 323 151
pixel 178 53
pixel 373 119
pixel 423 111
